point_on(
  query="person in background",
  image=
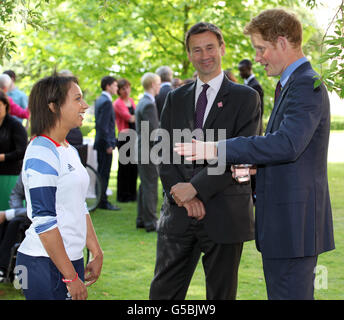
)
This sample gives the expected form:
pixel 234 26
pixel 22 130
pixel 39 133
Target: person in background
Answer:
pixel 293 208
pixel 230 75
pixel 147 120
pixel 166 74
pixel 11 221
pixel 176 83
pixel 124 107
pixel 245 69
pixel 18 96
pixel 105 141
pixel 15 110
pixel 13 142
pixel 55 184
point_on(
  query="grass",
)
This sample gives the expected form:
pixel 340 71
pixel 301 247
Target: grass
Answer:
pixel 129 256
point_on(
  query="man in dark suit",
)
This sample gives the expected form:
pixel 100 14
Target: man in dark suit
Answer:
pixel 146 117
pixel 165 73
pixel 201 211
pixel 105 140
pixel 245 69
pixel 293 210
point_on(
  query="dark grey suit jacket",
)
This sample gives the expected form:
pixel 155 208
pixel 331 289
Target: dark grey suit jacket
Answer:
pixel 229 210
pixel 145 111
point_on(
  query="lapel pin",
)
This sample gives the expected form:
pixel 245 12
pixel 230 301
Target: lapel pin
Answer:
pixel 219 104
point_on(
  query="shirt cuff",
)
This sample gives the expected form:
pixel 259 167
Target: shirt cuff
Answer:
pixel 10 214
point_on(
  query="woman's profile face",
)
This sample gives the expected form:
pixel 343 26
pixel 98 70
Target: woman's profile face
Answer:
pixel 74 108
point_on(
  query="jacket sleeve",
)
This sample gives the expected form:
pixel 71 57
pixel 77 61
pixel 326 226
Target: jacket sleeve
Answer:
pixel 206 182
pixel 16 110
pixel 170 173
pixel 121 110
pixel 19 138
pixel 106 112
pixel 300 120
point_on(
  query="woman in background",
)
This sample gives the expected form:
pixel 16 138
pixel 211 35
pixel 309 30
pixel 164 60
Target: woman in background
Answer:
pixel 13 142
pixel 124 108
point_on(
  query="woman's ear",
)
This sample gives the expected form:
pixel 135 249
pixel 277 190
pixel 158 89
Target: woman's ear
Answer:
pixel 51 106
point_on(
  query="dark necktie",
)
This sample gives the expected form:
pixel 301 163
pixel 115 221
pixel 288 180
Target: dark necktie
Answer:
pixel 201 105
pixel 278 90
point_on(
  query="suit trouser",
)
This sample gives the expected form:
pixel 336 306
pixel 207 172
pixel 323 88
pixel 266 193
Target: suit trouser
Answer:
pixel 126 177
pixel 148 195
pixel 290 279
pixel 104 168
pixel 177 258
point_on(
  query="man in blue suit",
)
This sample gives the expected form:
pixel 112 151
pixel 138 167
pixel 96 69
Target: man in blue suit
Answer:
pixel 105 140
pixel 293 209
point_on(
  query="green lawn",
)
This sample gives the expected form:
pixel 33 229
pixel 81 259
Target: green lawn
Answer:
pixel 129 256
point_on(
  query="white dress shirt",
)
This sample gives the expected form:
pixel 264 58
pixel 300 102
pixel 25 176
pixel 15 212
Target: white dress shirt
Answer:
pixel 214 87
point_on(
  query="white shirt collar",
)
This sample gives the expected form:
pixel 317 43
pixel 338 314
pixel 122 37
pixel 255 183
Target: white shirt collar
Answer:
pixel 108 95
pixel 214 87
pixel 214 83
pixel 246 81
pixel 166 83
pixel 150 96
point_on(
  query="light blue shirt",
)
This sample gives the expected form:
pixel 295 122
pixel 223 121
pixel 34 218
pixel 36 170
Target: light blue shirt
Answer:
pixel 19 97
pixel 290 69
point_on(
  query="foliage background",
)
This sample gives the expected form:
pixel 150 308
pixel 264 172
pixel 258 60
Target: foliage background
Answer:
pixel 127 38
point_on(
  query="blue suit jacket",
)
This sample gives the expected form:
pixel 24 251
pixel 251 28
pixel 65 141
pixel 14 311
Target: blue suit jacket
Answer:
pixel 293 209
pixel 105 124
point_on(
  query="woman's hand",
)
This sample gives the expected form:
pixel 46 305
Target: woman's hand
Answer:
pixel 93 269
pixel 77 290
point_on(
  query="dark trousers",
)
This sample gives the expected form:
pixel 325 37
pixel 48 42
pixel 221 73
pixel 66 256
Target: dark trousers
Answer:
pixel 44 281
pixel 148 195
pixel 126 178
pixel 290 279
pixel 177 257
pixel 104 168
pixel 9 233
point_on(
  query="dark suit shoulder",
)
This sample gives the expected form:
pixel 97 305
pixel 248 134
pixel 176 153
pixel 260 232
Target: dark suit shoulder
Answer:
pixel 305 77
pixel 186 88
pixel 241 89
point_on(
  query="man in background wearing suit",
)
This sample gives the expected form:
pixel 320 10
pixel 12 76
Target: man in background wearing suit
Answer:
pixel 165 73
pixel 105 140
pixel 245 69
pixel 293 210
pixel 146 117
pixel 212 213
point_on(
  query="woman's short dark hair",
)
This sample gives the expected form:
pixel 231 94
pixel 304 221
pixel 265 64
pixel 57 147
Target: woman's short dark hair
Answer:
pixel 107 81
pixel 4 100
pixel 203 27
pixel 121 83
pixel 53 91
